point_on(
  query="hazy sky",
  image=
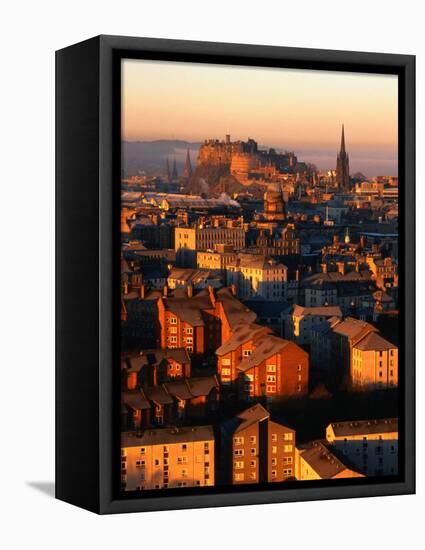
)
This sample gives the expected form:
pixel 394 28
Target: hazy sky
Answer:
pixel 294 109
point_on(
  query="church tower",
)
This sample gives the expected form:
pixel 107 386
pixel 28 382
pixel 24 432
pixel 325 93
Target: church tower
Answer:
pixel 187 172
pixel 167 169
pixel 174 174
pixel 342 167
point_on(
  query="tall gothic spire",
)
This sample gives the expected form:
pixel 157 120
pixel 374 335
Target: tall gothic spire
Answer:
pixel 342 166
pixel 167 168
pixel 342 140
pixel 174 175
pixel 187 172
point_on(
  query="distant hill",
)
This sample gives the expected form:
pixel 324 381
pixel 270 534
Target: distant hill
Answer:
pixel 150 156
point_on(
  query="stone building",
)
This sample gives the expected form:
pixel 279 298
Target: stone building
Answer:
pixel 274 203
pixel 168 458
pixel 371 445
pixel 260 450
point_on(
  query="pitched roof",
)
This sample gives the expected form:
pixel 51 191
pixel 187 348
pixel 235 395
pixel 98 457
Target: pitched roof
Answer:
pixel 323 462
pixel 136 400
pixel 244 332
pixel 374 342
pixel 250 416
pixel 202 385
pixel 267 346
pixel 158 395
pixel 324 311
pixel 351 327
pixel 235 311
pixel 155 356
pixel 179 389
pixel 163 436
pixel 364 427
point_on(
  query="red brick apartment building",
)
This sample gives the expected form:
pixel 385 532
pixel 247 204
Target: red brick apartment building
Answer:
pixel 199 322
pixel 261 450
pixel 260 364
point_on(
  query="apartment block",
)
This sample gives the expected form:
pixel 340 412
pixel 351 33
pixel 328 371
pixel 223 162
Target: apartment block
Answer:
pixel 371 445
pixel 167 458
pixel 261 450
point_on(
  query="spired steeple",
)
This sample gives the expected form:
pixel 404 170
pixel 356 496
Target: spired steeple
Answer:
pixel 187 172
pixel 174 174
pixel 342 166
pixel 167 168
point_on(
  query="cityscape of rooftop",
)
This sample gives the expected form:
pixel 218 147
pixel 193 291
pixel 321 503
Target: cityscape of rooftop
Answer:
pixel 259 289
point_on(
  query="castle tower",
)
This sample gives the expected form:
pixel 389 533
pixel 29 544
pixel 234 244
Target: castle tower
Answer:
pixel 274 204
pixel 342 167
pixel 187 172
pixel 174 174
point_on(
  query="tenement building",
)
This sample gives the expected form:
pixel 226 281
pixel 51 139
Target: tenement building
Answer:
pixel 261 450
pixel 189 240
pixel 167 458
pixel 260 364
pixel 257 275
pixel 371 445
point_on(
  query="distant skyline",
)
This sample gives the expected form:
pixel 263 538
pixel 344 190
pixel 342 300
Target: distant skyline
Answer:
pixel 283 108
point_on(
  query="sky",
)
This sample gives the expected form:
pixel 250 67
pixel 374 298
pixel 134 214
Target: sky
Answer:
pixel 299 110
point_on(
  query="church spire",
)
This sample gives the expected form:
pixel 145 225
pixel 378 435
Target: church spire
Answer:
pixel 342 166
pixel 174 175
pixel 167 168
pixel 342 140
pixel 187 172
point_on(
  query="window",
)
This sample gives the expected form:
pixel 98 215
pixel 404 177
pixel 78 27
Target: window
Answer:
pixel 287 448
pixel 184 472
pixel 173 320
pixel 189 330
pixel 287 472
pixel 271 368
pixel 271 378
pixel 253 439
pixel 226 372
pixel 253 463
pixel 238 477
pixel 156 462
pixel 299 367
pixel 271 389
pixel 274 437
pixel 247 352
pixel 184 447
pixel 299 387
pixel 274 474
pixel 238 452
pixel 140 463
pixel 274 449
pixel 239 465
pixel 143 451
pixel 287 436
pixel 274 461
pixel 238 440
pixel 225 362
pixel 253 451
pixel 182 460
pixel 189 340
pixel 287 460
pixel 253 475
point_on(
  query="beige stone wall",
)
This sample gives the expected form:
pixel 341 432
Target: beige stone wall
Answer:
pixel 189 464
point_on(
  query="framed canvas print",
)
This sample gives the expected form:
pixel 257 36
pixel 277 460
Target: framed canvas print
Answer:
pixel 235 274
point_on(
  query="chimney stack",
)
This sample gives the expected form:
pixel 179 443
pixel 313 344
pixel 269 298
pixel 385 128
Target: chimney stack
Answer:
pixel 165 291
pixel 233 289
pixel 142 292
pixel 190 290
pixel 125 287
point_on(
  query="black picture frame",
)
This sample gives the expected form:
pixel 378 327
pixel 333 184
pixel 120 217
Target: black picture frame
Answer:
pixel 87 288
